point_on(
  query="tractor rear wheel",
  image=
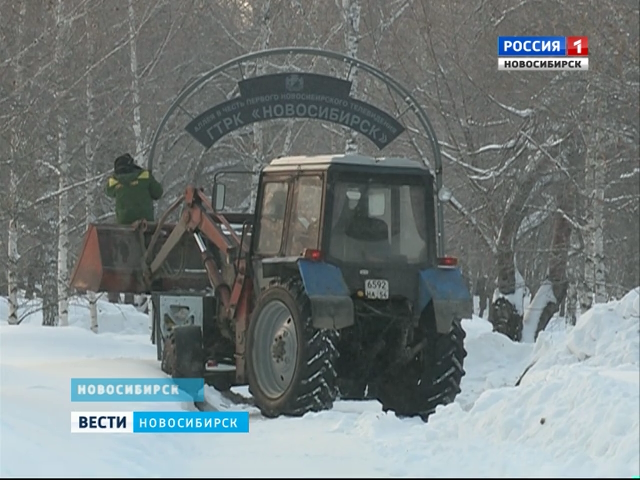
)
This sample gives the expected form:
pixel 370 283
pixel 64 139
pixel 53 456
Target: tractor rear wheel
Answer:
pixel 183 354
pixel 432 378
pixel 290 364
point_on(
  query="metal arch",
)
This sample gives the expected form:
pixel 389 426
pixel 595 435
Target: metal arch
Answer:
pixel 393 84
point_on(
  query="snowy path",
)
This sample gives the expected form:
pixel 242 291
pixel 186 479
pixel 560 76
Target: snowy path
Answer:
pixel 568 418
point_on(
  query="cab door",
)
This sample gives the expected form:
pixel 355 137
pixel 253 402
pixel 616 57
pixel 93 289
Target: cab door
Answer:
pixel 306 215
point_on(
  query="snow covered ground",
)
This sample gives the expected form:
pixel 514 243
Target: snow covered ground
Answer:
pixel 575 413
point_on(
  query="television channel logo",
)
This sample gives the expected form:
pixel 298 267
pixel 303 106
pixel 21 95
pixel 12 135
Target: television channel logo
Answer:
pixel 543 53
pixel 160 422
pixel 137 389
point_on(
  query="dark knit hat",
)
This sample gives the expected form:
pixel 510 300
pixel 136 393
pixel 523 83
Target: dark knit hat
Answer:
pixel 124 162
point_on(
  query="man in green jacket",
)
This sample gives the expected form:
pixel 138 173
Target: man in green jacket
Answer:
pixel 134 190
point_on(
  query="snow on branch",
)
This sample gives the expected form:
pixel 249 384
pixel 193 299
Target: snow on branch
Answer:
pixel 492 147
pixel 67 188
pixel 506 12
pixel 535 219
pixel 89 70
pixel 573 222
pixel 396 15
pixel 463 164
pixel 543 148
pixel 622 198
pixel 458 207
pixel 522 113
pixel 482 173
pixel 77 12
pixel 634 172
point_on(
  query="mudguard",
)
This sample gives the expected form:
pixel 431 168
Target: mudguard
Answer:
pixel 331 304
pixel 449 294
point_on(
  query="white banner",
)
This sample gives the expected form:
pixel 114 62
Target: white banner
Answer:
pixel 514 64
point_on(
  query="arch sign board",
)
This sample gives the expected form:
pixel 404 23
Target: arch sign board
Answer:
pixel 298 96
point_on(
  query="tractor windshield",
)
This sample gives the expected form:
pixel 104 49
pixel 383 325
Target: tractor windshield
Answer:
pixel 379 219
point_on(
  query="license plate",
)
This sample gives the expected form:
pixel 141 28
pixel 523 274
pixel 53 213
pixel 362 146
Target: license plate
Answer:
pixel 376 289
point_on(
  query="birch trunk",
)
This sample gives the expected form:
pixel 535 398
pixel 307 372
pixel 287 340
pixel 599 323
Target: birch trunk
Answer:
pixel 551 294
pixel 135 91
pixel 351 13
pixel 258 161
pixel 258 139
pixel 599 268
pixel 594 273
pixel 574 273
pixel 135 86
pixel 507 307
pixel 288 139
pixel 89 156
pixel 576 254
pixel 49 277
pixel 12 235
pixel 63 198
pixel 12 247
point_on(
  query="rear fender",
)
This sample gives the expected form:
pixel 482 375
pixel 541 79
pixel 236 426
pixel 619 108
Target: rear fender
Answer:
pixel 331 304
pixel 451 299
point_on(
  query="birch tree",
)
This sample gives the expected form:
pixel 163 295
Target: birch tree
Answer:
pixel 89 151
pixel 12 236
pixel 63 174
pixel 351 14
pixel 135 84
pixel 595 178
pixel 49 225
pixel 264 37
pixel 553 290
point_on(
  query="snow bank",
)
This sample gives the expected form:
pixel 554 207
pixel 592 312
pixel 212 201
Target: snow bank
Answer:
pixel 112 318
pixel 580 401
pixel 575 413
pixel 493 361
pixel 533 311
pixel 607 335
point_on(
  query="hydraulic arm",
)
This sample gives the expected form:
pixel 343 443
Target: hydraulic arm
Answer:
pixel 199 219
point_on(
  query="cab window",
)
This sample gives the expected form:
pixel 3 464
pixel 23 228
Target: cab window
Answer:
pixel 274 203
pixel 305 215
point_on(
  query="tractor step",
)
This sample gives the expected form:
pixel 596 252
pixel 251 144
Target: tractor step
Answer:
pixel 212 366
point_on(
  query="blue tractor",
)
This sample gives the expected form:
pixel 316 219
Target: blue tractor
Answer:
pixel 331 289
pixel 347 296
pixel 351 298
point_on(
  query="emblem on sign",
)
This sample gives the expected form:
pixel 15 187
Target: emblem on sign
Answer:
pixel 294 83
pixel 271 97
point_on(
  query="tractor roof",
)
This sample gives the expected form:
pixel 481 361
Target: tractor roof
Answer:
pixel 316 162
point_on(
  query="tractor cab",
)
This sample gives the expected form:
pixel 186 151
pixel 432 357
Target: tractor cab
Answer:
pixel 352 208
pixel 371 218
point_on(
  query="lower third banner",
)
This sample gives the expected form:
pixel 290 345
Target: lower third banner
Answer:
pixel 160 422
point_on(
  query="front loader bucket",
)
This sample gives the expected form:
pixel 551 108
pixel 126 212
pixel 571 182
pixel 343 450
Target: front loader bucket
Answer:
pixel 111 260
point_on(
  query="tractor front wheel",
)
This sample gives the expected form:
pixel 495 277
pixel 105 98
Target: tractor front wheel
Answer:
pixel 183 354
pixel 432 378
pixel 290 364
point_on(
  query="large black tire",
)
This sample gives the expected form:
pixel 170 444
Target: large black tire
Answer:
pixel 290 364
pixel 351 389
pixel 431 379
pixel 183 355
